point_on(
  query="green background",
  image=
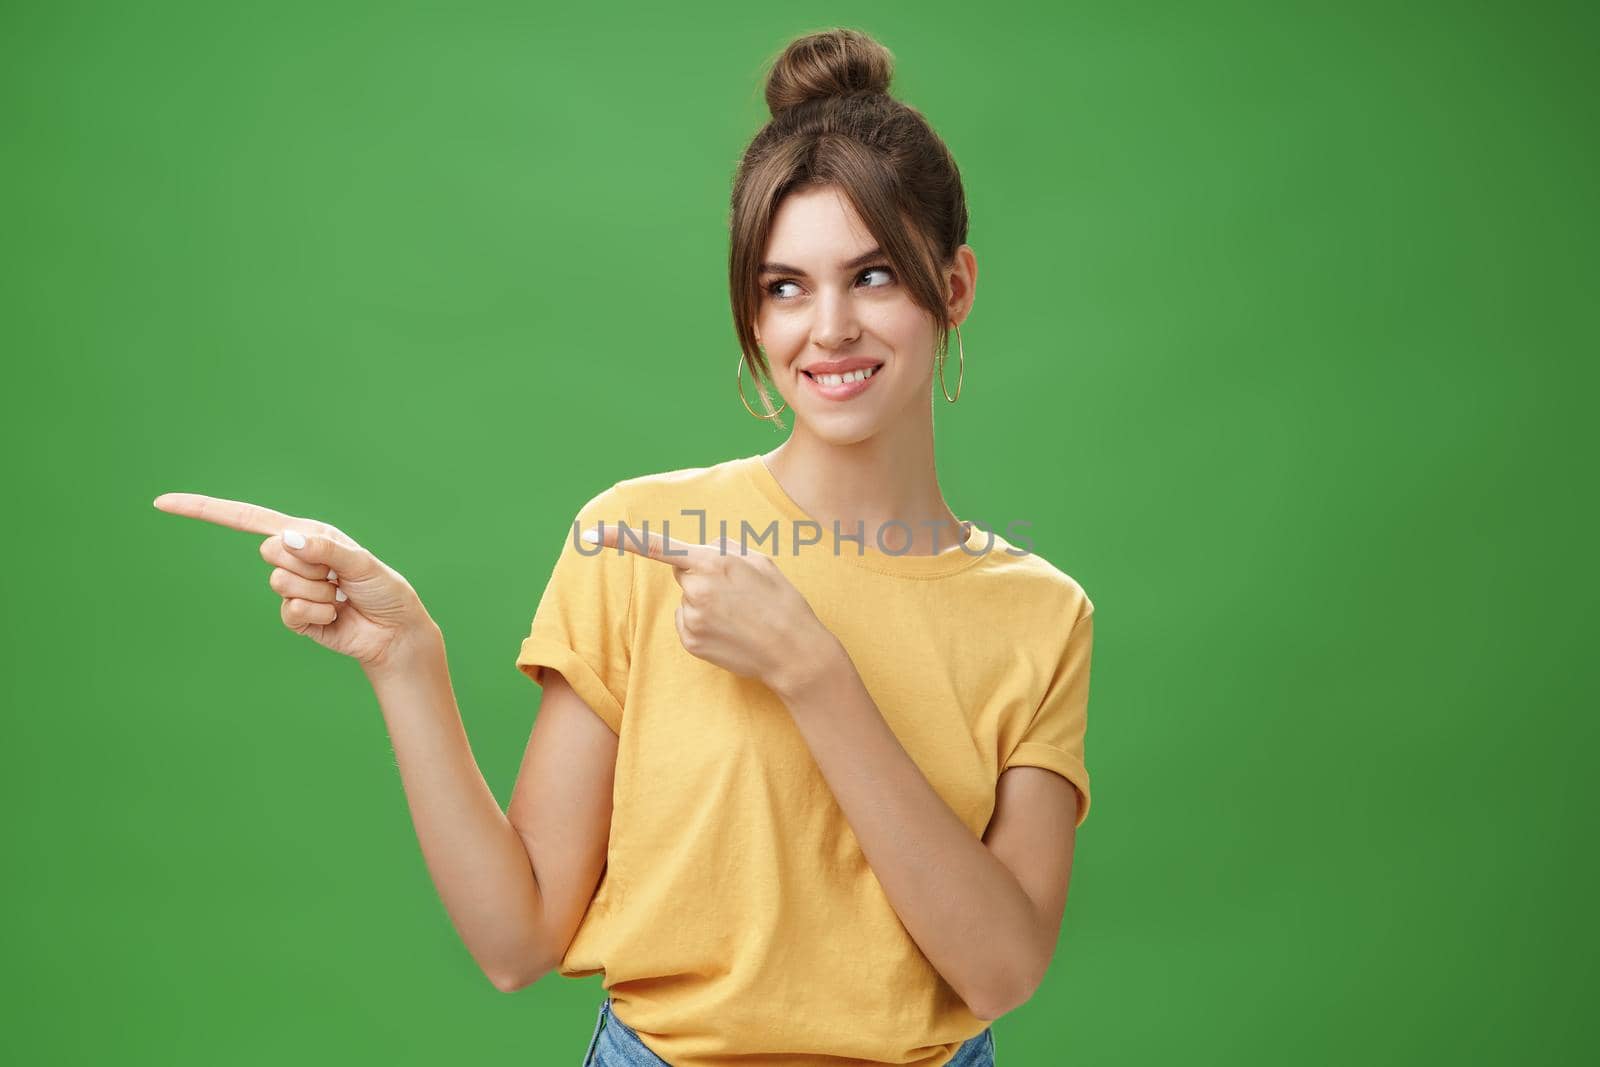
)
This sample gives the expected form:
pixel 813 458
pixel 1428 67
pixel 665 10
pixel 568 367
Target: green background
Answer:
pixel 1284 341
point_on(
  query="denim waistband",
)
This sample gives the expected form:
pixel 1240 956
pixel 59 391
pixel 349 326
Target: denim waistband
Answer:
pixel 623 1048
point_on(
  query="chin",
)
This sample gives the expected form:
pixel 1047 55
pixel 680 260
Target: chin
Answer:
pixel 841 432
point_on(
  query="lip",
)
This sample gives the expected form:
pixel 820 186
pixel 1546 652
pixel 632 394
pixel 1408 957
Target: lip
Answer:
pixel 844 390
pixel 840 366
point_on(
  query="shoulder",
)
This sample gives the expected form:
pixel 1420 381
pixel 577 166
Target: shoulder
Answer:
pixel 1027 577
pixel 681 478
pixel 665 492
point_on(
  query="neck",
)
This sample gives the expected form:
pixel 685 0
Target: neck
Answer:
pixel 872 481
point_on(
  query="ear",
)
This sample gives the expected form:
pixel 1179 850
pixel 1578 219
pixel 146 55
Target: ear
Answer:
pixel 961 283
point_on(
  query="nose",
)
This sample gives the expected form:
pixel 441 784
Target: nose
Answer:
pixel 836 324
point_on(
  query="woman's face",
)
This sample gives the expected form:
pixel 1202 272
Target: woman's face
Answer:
pixel 827 297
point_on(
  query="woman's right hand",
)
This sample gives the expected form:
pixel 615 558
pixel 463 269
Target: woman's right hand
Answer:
pixel 334 591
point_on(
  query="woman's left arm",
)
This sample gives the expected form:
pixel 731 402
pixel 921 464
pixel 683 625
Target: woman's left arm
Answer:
pixel 968 911
pixel 988 926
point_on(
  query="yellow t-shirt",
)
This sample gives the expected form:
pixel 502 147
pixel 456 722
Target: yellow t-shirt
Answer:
pixel 737 920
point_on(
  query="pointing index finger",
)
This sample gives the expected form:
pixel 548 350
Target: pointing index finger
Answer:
pixel 234 514
pixel 670 550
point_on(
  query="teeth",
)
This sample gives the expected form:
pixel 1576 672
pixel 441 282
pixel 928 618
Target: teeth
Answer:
pixel 839 379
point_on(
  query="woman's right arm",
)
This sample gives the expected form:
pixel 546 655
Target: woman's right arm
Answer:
pixel 515 884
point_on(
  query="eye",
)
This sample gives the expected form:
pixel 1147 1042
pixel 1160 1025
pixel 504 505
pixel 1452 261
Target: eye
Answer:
pixel 772 288
pixel 880 270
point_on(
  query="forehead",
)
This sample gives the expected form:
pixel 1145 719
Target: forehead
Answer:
pixel 816 222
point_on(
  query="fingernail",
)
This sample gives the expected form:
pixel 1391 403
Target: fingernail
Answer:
pixel 590 536
pixel 333 575
pixel 338 594
pixel 294 538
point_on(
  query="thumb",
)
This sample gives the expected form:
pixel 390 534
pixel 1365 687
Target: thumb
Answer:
pixel 351 562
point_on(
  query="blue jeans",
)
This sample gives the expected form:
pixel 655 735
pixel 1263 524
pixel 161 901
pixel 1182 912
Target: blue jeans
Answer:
pixel 615 1045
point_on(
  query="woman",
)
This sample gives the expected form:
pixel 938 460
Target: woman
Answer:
pixel 808 763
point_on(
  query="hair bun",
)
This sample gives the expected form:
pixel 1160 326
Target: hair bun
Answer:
pixel 828 63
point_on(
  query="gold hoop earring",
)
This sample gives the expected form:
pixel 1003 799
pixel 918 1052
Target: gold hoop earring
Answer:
pixel 738 383
pixel 961 373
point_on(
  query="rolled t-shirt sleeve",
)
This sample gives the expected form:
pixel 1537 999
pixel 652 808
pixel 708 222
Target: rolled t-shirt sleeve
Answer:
pixel 1054 738
pixel 581 626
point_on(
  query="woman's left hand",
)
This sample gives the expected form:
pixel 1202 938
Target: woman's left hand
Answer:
pixel 738 611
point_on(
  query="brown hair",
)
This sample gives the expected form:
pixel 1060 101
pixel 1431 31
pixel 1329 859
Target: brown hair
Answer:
pixel 833 123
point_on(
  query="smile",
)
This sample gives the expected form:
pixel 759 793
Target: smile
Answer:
pixel 843 386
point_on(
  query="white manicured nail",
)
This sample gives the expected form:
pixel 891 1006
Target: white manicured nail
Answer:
pixel 294 538
pixel 338 594
pixel 333 575
pixel 590 536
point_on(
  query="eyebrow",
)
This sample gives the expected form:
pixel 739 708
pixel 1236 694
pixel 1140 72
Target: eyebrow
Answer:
pixel 784 268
